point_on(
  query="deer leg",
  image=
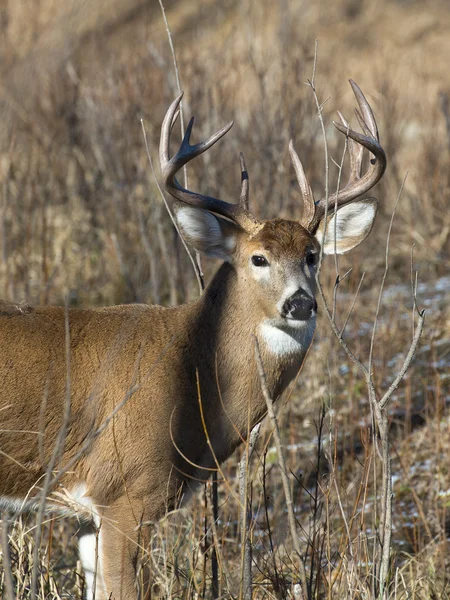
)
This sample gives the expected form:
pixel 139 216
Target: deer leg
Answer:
pixel 88 548
pixel 122 543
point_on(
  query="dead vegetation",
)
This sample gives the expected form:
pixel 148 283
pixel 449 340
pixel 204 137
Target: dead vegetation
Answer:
pixel 80 217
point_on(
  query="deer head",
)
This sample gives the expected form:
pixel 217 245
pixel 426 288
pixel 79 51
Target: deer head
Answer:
pixel 278 258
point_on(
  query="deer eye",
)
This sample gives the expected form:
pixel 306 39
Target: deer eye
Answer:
pixel 311 258
pixel 259 261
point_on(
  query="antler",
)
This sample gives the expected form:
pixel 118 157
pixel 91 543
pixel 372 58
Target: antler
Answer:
pixel 357 185
pixel 237 213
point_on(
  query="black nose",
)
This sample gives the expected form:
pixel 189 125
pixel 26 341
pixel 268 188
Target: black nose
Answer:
pixel 300 306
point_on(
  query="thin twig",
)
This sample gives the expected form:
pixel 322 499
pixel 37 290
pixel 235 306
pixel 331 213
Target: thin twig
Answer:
pixel 412 349
pixel 207 436
pixel 172 218
pixel 214 518
pixel 199 270
pixel 54 460
pixel 319 107
pixel 353 303
pixel 8 578
pixel 383 279
pixel 336 259
pixel 31 504
pixel 175 66
pixel 245 511
pixel 283 469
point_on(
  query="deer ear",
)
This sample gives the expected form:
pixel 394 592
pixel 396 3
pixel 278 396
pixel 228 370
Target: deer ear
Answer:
pixel 352 224
pixel 208 234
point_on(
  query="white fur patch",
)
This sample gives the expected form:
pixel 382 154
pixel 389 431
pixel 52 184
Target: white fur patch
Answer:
pixel 71 503
pixel 83 503
pixel 352 224
pixel 198 224
pixel 287 339
pixel 12 504
pixel 260 273
pixel 203 231
pixel 90 555
pixel 87 548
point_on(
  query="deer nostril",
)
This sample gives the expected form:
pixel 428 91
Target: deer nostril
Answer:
pixel 299 307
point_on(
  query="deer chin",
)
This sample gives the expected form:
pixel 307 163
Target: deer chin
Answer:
pixel 287 322
pixel 284 337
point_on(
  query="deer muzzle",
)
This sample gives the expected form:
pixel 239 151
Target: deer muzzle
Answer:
pixel 299 307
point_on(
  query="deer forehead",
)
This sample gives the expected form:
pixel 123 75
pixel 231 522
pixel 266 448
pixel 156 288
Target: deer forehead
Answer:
pixel 282 239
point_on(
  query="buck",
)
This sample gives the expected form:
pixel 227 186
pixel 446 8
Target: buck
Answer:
pixel 130 392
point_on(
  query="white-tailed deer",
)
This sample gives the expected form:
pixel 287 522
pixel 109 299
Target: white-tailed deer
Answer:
pixel 118 388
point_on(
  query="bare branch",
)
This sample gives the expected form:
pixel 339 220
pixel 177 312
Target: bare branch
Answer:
pixel 412 350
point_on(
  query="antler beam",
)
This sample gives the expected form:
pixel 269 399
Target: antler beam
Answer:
pixel 170 166
pixel 357 185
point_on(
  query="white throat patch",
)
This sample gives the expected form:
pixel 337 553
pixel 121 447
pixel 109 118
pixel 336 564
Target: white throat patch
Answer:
pixel 286 340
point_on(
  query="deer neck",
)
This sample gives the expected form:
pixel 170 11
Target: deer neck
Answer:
pixel 226 358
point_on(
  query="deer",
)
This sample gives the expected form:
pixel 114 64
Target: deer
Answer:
pixel 145 401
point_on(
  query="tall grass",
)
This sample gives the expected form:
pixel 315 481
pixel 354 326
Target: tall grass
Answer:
pixel 81 218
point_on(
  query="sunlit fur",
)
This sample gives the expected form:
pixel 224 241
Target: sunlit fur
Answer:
pixel 165 362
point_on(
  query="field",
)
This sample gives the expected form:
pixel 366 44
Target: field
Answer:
pixel 82 222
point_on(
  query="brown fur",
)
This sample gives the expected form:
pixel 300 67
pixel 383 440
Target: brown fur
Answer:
pixel 284 239
pixel 133 470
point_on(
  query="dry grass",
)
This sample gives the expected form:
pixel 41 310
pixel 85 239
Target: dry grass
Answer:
pixel 80 217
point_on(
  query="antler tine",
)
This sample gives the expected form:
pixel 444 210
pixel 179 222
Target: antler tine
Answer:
pixel 357 185
pixel 362 123
pixel 355 152
pixel 308 207
pixel 366 110
pixel 170 166
pixel 166 129
pixel 175 118
pixel 245 183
